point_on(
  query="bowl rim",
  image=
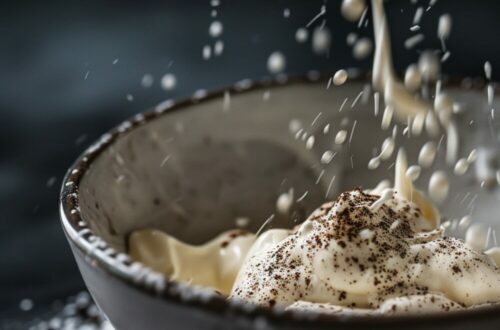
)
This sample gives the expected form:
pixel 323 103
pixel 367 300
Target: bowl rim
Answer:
pixel 136 275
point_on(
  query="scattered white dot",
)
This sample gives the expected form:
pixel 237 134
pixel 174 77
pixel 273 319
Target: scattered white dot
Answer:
pixel 438 186
pixel 362 48
pixel 321 40
pixel 51 181
pixel 206 52
pixel 168 81
pixel 427 154
pixel 242 222
pixel 147 80
pixel 301 35
pixel 352 9
pixel 276 62
pixel 215 29
pixel 472 156
pixel 387 148
pixel 295 125
pixel 464 222
pixel 461 167
pixel 413 172
pixel 444 26
pixel 429 65
pixel 374 163
pixel 26 305
pixel 351 38
pixel 218 47
pixel 340 137
pixel 340 77
pixel 387 117
pixel 310 142
pixel 413 41
pixel 487 70
pixel 327 157
pixel 285 202
pixel 476 236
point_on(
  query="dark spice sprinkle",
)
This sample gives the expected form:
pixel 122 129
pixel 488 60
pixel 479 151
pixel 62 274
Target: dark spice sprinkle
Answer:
pixel 342 221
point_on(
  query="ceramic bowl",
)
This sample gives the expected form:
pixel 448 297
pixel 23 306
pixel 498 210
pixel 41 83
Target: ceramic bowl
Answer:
pixel 191 167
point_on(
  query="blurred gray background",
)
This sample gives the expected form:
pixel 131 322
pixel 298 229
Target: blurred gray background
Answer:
pixel 67 67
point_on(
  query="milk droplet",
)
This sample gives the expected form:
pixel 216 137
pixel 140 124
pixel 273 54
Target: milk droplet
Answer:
pixel 340 77
pixel 242 222
pixel 387 117
pixel 431 124
pixel 351 38
pixel 327 157
pixel 387 148
pixel 487 70
pixel 295 125
pixel 452 144
pixel 362 48
pixel 310 142
pixel 321 40
pixel 352 9
pixel 340 137
pixel 284 202
pixel 26 305
pixel 215 29
pixel 414 40
pixel 206 52
pixel 168 81
pixel 374 163
pixel 218 47
pixel 464 222
pixel 413 172
pixel 476 236
pixel 461 167
pixel 494 254
pixel 484 166
pixel 472 156
pixel 413 78
pixel 427 154
pixel 491 94
pixel 438 186
pixel 444 26
pixel 429 66
pixel 147 80
pixel 301 35
pixel 443 104
pixel 276 62
pixel 418 15
pixel 418 124
pixel 376 104
pixel 326 129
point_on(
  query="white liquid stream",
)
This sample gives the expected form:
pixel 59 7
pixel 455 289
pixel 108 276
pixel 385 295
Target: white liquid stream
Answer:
pixel 384 78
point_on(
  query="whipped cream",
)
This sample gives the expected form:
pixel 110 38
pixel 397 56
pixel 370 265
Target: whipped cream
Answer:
pixel 371 250
pixel 214 264
pixel 379 251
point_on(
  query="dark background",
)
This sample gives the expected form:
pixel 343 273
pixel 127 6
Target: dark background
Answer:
pixel 59 90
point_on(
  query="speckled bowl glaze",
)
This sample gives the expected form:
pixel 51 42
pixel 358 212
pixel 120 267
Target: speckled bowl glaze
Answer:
pixel 191 167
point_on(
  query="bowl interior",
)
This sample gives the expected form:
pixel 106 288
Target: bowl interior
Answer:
pixel 194 170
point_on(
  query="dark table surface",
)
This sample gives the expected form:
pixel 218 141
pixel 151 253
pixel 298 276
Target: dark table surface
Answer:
pixel 67 67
